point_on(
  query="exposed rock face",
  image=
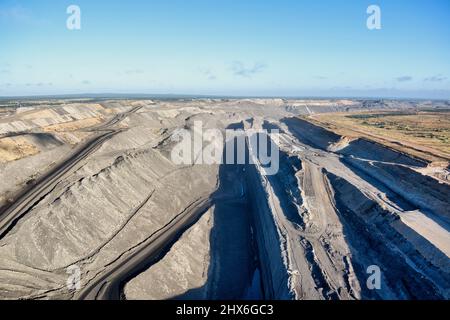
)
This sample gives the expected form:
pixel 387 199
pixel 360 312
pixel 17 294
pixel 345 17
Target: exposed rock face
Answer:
pixel 182 272
pixel 374 233
pixel 139 226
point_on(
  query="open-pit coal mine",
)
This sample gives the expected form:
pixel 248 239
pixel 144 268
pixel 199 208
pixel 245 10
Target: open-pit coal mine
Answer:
pixel 93 205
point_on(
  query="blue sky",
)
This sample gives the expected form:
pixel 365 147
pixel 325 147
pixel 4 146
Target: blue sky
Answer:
pixel 226 47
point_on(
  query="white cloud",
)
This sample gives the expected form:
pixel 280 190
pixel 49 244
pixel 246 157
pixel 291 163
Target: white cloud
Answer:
pixel 404 78
pixel 240 69
pixel 436 78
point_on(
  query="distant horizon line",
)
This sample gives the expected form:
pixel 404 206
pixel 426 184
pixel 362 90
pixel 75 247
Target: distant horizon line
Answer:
pixel 139 96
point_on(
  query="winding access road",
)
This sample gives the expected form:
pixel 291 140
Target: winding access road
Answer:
pixel 108 284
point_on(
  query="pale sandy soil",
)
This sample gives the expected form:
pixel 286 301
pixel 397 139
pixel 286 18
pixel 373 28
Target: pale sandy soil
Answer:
pixel 16 148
